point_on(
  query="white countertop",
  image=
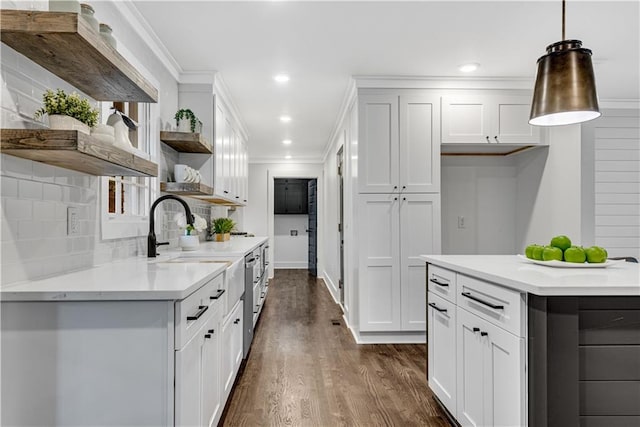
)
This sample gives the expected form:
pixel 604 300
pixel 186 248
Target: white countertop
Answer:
pixel 138 278
pixel 622 278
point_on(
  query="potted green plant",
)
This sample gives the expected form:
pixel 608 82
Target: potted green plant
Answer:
pixel 222 228
pixel 67 112
pixel 187 121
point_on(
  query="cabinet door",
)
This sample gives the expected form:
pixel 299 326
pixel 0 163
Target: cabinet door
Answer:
pixel 227 375
pixel 188 383
pixel 221 122
pixel 211 390
pixel 504 377
pixel 379 232
pixel 226 157
pixel 466 119
pixel 441 344
pixel 419 235
pixel 378 147
pixel 470 350
pixel 419 143
pixel 238 325
pixel 512 120
pixel 280 197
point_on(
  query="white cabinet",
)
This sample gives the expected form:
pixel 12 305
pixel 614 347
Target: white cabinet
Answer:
pixel 232 349
pixel 395 230
pixel 441 321
pixel 490 373
pixel 197 382
pixel 398 153
pixel 488 117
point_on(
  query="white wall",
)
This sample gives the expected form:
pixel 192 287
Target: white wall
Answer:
pixel 258 214
pixel 35 196
pixel 548 189
pixel 481 190
pixel 291 251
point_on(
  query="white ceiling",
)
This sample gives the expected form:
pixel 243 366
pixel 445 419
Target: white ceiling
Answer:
pixel 321 44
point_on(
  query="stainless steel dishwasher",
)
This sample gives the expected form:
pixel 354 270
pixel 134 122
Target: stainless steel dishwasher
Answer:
pixel 247 337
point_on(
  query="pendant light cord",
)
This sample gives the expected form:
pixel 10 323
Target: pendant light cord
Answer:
pixel 563 19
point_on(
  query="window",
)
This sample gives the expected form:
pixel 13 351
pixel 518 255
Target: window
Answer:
pixel 125 200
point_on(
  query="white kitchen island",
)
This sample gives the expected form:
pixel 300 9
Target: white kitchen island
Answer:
pixel 135 342
pixel 514 343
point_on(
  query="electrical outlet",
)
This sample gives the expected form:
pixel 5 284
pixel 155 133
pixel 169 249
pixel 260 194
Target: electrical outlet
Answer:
pixel 461 222
pixel 73 226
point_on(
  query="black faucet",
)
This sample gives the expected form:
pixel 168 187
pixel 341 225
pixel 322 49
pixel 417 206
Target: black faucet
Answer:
pixel 152 244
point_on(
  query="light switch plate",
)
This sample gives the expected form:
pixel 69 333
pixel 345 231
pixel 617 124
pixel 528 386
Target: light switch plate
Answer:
pixel 73 226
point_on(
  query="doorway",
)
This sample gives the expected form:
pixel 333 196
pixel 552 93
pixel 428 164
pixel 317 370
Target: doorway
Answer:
pixel 295 224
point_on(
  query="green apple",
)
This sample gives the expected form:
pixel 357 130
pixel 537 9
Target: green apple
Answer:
pixel 562 242
pixel 549 253
pixel 537 252
pixel 575 254
pixel 596 254
pixel 528 252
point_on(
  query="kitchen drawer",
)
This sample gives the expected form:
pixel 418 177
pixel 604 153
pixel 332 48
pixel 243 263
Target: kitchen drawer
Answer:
pixel 442 282
pixel 193 311
pixel 256 297
pixel 501 306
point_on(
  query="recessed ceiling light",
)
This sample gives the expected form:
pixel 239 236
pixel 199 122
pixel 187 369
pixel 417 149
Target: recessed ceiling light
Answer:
pixel 285 119
pixel 281 78
pixel 468 68
pixel 288 156
pixel 286 142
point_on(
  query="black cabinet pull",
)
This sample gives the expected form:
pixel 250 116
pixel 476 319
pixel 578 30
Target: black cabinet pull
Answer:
pixel 211 331
pixel 488 304
pixel 255 312
pixel 207 336
pixel 441 310
pixel 199 313
pixel 433 280
pixel 218 294
pixel 488 140
pixel 235 322
pixel 476 329
pixel 496 138
pixel 484 334
pixel 225 192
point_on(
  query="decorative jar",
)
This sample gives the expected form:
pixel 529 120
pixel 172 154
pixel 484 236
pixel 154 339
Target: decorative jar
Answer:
pixel 189 242
pixel 87 12
pixel 64 6
pixel 106 33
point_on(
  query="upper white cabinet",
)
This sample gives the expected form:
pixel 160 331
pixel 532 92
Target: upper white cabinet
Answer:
pixel 398 131
pixel 487 117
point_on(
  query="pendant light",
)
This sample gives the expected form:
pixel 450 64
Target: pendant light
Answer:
pixel 565 90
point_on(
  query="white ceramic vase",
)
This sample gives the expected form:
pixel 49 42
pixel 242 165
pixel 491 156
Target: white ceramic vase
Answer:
pixel 62 122
pixel 184 125
pixel 189 243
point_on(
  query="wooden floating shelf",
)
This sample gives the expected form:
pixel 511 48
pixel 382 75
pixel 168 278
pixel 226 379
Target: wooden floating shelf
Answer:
pixel 186 188
pixel 65 44
pixel 186 142
pixel 219 201
pixel 71 149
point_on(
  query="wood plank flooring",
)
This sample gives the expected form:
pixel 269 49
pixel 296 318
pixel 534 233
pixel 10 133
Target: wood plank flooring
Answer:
pixel 305 371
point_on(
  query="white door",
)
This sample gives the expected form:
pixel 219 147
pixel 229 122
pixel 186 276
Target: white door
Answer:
pixel 379 232
pixel 378 147
pixel 441 344
pixel 419 152
pixel 511 120
pixel 211 390
pixel 188 382
pixel 466 119
pixel 504 377
pixel 470 351
pixel 419 235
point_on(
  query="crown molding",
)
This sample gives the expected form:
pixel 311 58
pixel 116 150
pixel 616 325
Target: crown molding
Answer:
pixel 435 82
pixel 139 24
pixel 347 102
pixel 279 161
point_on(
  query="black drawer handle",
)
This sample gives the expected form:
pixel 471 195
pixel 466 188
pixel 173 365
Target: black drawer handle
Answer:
pixel 218 294
pixel 235 322
pixel 225 192
pixel 199 313
pixel 441 310
pixel 488 304
pixel 207 336
pixel 484 334
pixel 432 280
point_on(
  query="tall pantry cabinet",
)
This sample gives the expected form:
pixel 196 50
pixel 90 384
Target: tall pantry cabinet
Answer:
pixel 398 204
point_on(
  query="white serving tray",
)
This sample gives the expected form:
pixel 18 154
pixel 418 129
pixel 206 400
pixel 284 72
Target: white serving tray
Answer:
pixel 564 264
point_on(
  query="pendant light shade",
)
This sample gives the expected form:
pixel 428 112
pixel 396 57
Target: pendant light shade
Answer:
pixel 565 90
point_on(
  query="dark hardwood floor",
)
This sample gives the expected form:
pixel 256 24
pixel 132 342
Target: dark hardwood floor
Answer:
pixel 305 371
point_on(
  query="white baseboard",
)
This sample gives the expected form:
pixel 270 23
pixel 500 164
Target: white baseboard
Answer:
pixel 390 337
pixel 297 265
pixel 333 289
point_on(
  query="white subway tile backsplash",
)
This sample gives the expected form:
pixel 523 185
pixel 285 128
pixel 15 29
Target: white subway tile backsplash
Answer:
pixel 44 211
pixel 43 172
pixel 51 192
pixel 8 187
pixel 29 230
pixel 16 167
pixel 30 190
pixel 17 209
pixel 9 229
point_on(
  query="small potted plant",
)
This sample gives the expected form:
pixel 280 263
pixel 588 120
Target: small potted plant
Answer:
pixel 187 121
pixel 67 112
pixel 189 241
pixel 222 228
